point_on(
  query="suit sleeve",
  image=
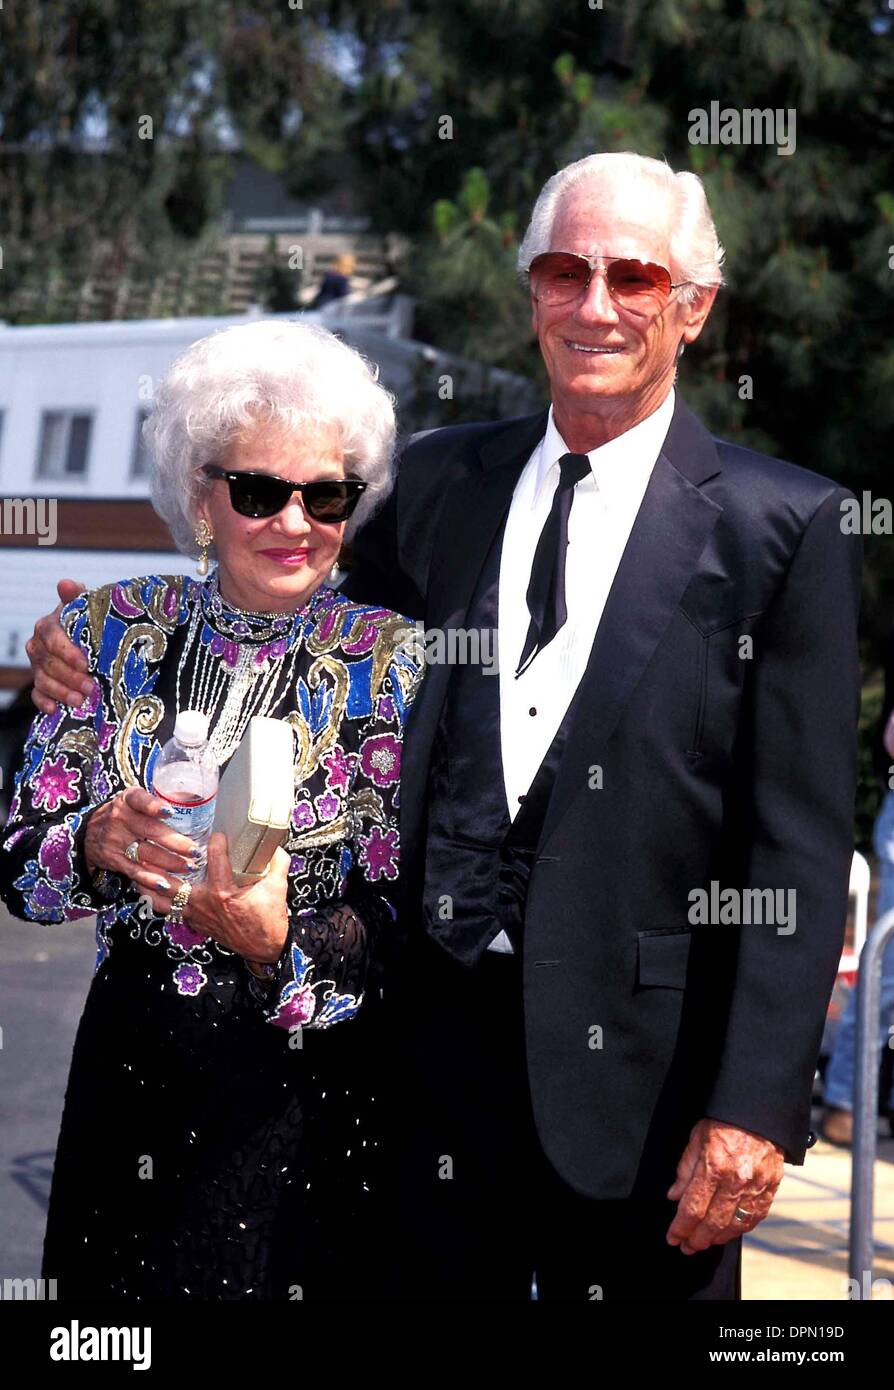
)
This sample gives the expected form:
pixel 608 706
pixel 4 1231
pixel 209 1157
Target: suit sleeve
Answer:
pixel 794 785
pixel 380 574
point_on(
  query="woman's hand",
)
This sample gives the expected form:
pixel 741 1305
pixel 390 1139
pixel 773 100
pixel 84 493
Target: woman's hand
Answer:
pixel 129 816
pixel 252 921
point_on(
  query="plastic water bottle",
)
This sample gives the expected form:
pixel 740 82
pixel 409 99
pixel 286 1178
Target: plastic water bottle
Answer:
pixel 186 777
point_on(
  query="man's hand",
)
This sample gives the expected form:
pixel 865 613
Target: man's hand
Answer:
pixel 723 1167
pixel 60 668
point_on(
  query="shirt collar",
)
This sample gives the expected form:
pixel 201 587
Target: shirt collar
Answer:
pixel 623 464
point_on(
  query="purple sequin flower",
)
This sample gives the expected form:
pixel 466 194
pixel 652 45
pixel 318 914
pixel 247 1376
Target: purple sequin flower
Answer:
pixel 327 806
pixel 297 1009
pixel 303 816
pixel 189 979
pixel 55 853
pixel 56 782
pixel 45 896
pixel 298 864
pixel 386 707
pixel 378 853
pixel 338 765
pixel 380 759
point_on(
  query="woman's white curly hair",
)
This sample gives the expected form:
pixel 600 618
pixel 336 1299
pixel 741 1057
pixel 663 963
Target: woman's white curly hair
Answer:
pixel 284 374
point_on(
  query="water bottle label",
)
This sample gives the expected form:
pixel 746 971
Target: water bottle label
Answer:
pixel 194 820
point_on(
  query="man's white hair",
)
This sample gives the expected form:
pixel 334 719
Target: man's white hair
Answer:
pixel 281 374
pixel 696 253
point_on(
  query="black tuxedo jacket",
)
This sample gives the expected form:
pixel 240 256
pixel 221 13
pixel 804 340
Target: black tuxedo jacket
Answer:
pixel 715 742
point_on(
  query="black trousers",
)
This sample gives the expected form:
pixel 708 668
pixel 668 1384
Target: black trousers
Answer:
pixel 472 1208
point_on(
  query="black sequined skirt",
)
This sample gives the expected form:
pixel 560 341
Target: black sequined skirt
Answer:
pixel 203 1156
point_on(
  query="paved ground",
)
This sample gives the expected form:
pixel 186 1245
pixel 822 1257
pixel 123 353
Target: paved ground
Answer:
pixel 800 1251
pixel 44 975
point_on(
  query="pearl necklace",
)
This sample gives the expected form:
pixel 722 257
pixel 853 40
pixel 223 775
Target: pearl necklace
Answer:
pixel 234 681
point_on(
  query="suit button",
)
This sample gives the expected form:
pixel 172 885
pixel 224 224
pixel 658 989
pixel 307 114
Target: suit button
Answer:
pixel 532 711
pixel 520 800
pixel 812 1137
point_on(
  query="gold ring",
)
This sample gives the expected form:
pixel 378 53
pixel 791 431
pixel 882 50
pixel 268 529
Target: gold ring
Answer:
pixel 132 852
pixel 181 897
pixel 743 1215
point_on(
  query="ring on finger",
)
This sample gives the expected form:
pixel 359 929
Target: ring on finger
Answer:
pixel 741 1215
pixel 181 898
pixel 132 852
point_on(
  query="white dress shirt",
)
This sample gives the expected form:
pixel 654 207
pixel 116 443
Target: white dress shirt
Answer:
pixel 606 501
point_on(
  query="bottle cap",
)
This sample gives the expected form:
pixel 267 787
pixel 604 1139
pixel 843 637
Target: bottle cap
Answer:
pixel 191 728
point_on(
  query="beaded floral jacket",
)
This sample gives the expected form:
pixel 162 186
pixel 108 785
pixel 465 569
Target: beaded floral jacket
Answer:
pixel 343 674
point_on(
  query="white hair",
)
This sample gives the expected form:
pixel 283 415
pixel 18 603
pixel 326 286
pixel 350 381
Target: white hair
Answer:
pixel 283 374
pixel 696 253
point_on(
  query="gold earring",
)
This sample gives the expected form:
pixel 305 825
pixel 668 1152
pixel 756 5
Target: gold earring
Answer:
pixel 204 537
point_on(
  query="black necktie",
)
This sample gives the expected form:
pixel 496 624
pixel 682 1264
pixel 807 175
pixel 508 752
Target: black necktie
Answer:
pixel 546 590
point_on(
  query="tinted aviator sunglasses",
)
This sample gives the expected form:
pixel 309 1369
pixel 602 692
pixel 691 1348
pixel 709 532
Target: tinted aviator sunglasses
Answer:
pixel 559 277
pixel 263 495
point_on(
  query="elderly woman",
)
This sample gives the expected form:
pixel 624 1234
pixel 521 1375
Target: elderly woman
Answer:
pixel 218 1140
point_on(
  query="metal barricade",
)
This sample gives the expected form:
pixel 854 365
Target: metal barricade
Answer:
pixel 866 1102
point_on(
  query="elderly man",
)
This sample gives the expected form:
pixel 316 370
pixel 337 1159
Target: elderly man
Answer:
pixel 625 856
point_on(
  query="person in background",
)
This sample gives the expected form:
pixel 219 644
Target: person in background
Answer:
pixel 219 1137
pixel 837 1125
pixel 335 283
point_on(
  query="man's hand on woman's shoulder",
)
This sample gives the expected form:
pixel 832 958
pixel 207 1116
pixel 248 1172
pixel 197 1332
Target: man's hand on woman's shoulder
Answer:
pixel 59 667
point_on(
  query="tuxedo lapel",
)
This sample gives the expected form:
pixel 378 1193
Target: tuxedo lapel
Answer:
pixel 472 513
pixel 669 534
